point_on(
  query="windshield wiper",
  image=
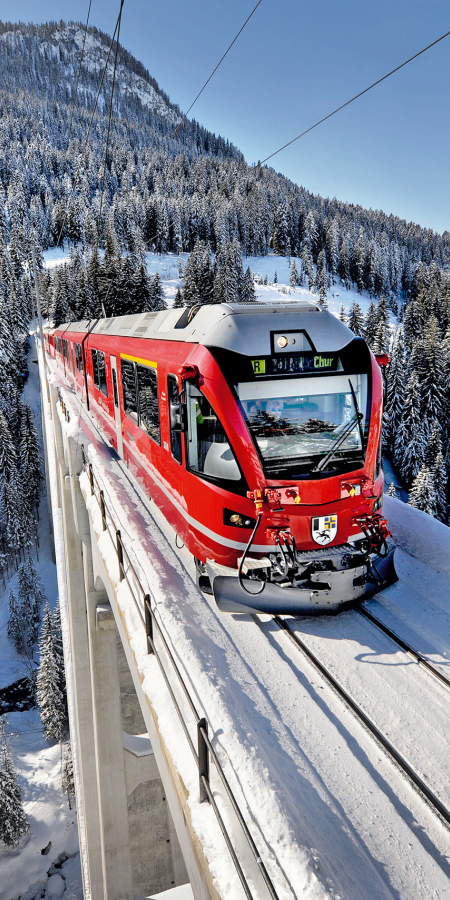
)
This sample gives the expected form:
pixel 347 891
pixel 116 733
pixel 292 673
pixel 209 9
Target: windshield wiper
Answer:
pixel 355 420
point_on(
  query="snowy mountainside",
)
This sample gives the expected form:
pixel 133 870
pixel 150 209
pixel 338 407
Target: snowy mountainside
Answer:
pixel 43 62
pixel 63 47
pixel 65 44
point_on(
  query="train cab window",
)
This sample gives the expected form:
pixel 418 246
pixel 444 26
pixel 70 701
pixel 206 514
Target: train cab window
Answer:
pixel 209 451
pixel 99 369
pixel 147 384
pixel 129 388
pixel 174 405
pixel 79 357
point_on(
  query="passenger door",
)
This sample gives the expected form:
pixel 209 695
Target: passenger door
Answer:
pixel 117 415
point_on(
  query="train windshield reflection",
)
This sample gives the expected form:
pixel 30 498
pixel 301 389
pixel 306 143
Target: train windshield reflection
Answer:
pixel 296 422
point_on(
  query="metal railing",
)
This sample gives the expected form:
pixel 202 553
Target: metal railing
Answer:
pixel 204 752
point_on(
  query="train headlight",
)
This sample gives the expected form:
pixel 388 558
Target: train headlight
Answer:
pixel 238 520
pixel 282 341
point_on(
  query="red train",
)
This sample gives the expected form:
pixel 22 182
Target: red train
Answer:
pixel 256 429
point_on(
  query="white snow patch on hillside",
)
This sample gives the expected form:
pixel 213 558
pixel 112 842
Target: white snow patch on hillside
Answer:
pixel 167 266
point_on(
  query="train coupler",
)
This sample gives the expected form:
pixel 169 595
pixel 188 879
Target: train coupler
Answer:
pixel 376 532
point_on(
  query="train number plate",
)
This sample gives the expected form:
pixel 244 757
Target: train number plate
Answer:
pixel 324 529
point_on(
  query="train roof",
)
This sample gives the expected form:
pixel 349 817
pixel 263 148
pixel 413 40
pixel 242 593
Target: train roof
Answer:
pixel 242 327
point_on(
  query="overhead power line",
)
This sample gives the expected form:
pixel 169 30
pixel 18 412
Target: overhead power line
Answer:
pixel 212 73
pixel 119 20
pixel 79 72
pixel 119 17
pixel 351 101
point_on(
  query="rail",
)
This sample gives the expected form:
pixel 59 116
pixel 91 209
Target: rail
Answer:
pixel 204 752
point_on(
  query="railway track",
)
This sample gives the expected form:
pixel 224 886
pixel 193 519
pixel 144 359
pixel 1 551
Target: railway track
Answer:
pixel 422 660
pixel 401 762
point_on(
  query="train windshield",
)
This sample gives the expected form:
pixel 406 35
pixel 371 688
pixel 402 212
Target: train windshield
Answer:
pixel 309 427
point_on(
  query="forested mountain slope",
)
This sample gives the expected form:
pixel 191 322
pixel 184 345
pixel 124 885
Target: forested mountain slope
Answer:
pixel 196 187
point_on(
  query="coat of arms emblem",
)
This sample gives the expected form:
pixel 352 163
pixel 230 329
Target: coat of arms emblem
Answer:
pixel 324 529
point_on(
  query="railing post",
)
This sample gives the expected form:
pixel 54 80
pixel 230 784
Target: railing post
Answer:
pixel 119 554
pixel 103 510
pixel 148 623
pixel 203 759
pixel 91 479
pixel 83 456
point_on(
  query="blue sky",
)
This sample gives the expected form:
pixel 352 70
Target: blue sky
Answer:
pixel 294 63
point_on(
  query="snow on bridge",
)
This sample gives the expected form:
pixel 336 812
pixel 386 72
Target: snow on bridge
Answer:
pixel 329 812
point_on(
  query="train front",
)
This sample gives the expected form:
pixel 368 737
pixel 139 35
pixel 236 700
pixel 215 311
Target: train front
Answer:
pixel 310 396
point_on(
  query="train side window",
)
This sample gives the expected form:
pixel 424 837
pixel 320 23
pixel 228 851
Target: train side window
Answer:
pixel 174 400
pixel 129 388
pixel 99 368
pixel 66 350
pixel 209 451
pixel 103 387
pixel 79 357
pixel 115 391
pixel 147 383
pixel 95 367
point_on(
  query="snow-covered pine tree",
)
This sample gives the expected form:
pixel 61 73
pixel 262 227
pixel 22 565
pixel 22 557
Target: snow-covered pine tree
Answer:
pixel 248 294
pixel 29 457
pixel 355 319
pixel 157 292
pixel 15 624
pixel 392 490
pixel 370 324
pixel 293 275
pixel 50 700
pixel 342 314
pixel 31 597
pixel 433 383
pixel 59 654
pixel 439 472
pixel 178 302
pixel 409 447
pixel 395 391
pixel 423 494
pixel 13 821
pixel 229 275
pixel 434 445
pixel 68 784
pixel 321 285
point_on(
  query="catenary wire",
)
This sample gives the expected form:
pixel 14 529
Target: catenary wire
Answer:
pixel 161 150
pixel 79 73
pixel 209 79
pixel 69 132
pixel 110 114
pixel 347 103
pixel 92 117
